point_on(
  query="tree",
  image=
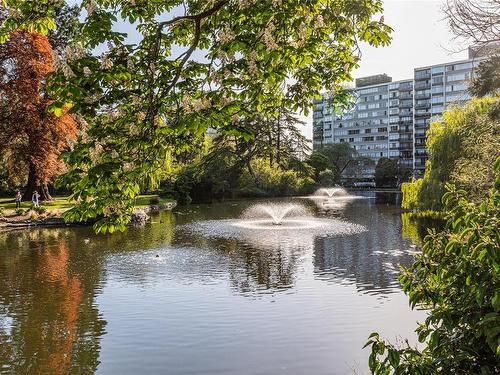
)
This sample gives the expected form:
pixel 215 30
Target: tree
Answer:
pixel 487 81
pixel 476 21
pixel 340 155
pixel 389 172
pixel 461 149
pixel 142 100
pixel 275 146
pixel 456 278
pixel 31 138
pixel 319 162
pixel 386 172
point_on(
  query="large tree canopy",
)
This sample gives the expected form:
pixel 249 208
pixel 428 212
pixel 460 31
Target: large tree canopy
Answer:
pixel 197 64
pixel 31 138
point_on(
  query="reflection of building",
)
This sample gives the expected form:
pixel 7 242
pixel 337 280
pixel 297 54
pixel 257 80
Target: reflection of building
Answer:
pixel 370 260
pixel 389 119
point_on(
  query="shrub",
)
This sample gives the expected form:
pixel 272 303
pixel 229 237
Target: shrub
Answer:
pixel 20 211
pixel 274 181
pixel 1 211
pixel 456 277
pixel 40 210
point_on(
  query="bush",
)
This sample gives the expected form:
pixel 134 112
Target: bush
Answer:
pixel 20 211
pixel 274 181
pixel 40 210
pixel 456 277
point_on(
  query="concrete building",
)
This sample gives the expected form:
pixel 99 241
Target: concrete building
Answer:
pixel 389 119
pixel 438 87
pixel 379 124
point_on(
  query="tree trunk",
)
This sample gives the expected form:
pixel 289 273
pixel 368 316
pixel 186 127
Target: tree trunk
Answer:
pixel 278 144
pixel 270 149
pixel 34 185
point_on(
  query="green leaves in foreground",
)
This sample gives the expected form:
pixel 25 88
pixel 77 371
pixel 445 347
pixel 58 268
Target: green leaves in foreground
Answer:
pixel 192 65
pixel 457 278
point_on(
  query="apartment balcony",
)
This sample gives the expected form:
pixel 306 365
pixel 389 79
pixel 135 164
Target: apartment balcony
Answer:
pixel 422 85
pixel 406 139
pixel 423 96
pixel 422 75
pixel 405 113
pixel 423 105
pixel 406 105
pixel 406 96
pixel 422 114
pixel 405 87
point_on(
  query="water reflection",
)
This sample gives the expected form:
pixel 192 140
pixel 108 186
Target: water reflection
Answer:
pixel 53 325
pixel 165 297
pixel 370 260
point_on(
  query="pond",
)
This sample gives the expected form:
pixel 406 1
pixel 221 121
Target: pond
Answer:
pixel 191 293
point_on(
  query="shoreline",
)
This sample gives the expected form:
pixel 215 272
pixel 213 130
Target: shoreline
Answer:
pixel 57 221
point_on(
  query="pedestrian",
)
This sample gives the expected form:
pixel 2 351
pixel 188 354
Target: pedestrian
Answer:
pixel 34 198
pixel 19 199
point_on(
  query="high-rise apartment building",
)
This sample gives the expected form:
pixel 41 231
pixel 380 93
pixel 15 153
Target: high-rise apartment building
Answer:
pixel 389 119
pixel 438 87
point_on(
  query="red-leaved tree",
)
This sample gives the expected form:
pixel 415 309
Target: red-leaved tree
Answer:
pixel 31 138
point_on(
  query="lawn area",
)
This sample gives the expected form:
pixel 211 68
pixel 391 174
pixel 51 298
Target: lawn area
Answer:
pixel 62 203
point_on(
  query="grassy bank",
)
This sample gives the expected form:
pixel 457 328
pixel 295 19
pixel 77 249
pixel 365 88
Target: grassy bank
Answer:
pixel 61 204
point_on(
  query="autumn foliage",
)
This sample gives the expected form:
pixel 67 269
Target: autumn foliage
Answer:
pixel 31 138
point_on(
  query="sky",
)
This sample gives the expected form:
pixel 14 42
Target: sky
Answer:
pixel 420 38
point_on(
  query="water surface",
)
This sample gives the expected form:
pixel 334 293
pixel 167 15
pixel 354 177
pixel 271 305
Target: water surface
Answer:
pixel 167 298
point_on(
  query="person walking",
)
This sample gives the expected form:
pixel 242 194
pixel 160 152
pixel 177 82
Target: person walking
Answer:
pixel 34 198
pixel 19 199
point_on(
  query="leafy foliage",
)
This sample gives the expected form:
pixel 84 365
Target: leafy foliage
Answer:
pixel 389 173
pixel 215 64
pixel 31 138
pixel 461 148
pixel 487 81
pixel 457 278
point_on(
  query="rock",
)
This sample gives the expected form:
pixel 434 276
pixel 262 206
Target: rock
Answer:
pixel 139 217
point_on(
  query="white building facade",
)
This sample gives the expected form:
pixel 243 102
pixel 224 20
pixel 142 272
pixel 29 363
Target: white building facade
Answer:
pixel 389 119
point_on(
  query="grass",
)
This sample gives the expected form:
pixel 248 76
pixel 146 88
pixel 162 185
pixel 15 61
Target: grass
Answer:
pixel 61 203
pixel 143 200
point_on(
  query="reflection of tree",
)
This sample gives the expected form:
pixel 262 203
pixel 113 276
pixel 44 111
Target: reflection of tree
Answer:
pixel 411 229
pixel 258 266
pixel 55 328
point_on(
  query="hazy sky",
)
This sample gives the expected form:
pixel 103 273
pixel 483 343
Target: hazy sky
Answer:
pixel 420 38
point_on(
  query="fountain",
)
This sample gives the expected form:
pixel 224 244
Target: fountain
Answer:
pixel 277 212
pixel 281 220
pixel 331 192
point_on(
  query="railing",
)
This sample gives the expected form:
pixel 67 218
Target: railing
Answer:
pixel 421 75
pixel 422 85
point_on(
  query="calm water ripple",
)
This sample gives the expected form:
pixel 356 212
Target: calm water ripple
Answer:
pixel 191 293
